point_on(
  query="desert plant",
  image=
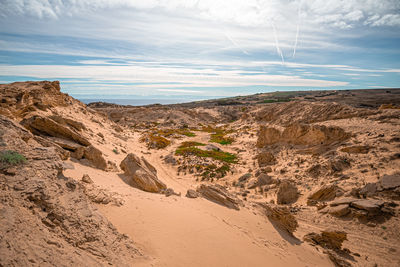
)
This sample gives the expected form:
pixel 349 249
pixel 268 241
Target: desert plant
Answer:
pixel 185 149
pixel 11 158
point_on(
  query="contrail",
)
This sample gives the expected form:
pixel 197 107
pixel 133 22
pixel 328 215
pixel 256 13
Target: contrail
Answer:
pixel 297 32
pixel 236 44
pixel 278 49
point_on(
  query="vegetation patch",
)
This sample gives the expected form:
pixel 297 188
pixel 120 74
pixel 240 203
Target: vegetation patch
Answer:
pixel 218 135
pixel 154 141
pixel 276 100
pixel 171 132
pixel 185 150
pixel 11 158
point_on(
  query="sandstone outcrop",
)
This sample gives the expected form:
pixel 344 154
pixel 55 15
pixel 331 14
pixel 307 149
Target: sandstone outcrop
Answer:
pixel 143 174
pixel 327 239
pixel 219 195
pixel 45 126
pixel 20 98
pixel 39 202
pixel 331 242
pixel 301 134
pixel 388 187
pixel 281 217
pixel 359 208
pixel 306 112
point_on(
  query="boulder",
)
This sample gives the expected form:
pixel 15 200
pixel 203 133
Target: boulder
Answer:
pixel 170 192
pixel 369 189
pixel 327 239
pixel 192 194
pixel 242 179
pixel 169 159
pixel 287 193
pixel 388 182
pixel 218 194
pixel 143 174
pixel 86 179
pixel 338 211
pixel 265 159
pixel 370 205
pixel 262 179
pixel 281 217
pixel 325 193
pixel 341 201
pixel 95 157
pixel 339 164
pixel 211 147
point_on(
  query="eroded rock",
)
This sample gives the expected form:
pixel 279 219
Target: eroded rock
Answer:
pixel 192 194
pixel 41 125
pixel 287 193
pixel 143 174
pixel 265 159
pixel 95 156
pixel 325 193
pixel 302 134
pixel 262 179
pixel 219 195
pixel 281 217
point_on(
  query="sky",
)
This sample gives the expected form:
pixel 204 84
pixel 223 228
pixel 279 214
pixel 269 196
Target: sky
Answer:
pixel 199 49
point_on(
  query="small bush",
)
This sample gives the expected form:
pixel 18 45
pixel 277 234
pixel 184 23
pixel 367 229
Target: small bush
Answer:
pixel 155 141
pixel 11 158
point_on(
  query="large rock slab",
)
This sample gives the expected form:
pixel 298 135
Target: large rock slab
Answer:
pixel 143 174
pixel 287 193
pixel 41 125
pixel 219 195
pixel 370 205
pixel 325 193
pixel 338 211
pixel 390 181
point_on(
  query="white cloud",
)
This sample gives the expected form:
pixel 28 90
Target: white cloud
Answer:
pixel 163 78
pixel 246 13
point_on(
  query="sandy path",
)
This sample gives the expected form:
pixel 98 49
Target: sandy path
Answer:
pixel 177 231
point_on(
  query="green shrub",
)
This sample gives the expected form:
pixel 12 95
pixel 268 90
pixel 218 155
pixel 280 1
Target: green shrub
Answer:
pixel 185 149
pixel 11 158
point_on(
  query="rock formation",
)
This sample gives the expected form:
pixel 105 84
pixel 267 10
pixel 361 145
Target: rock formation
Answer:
pixel 219 195
pixel 142 173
